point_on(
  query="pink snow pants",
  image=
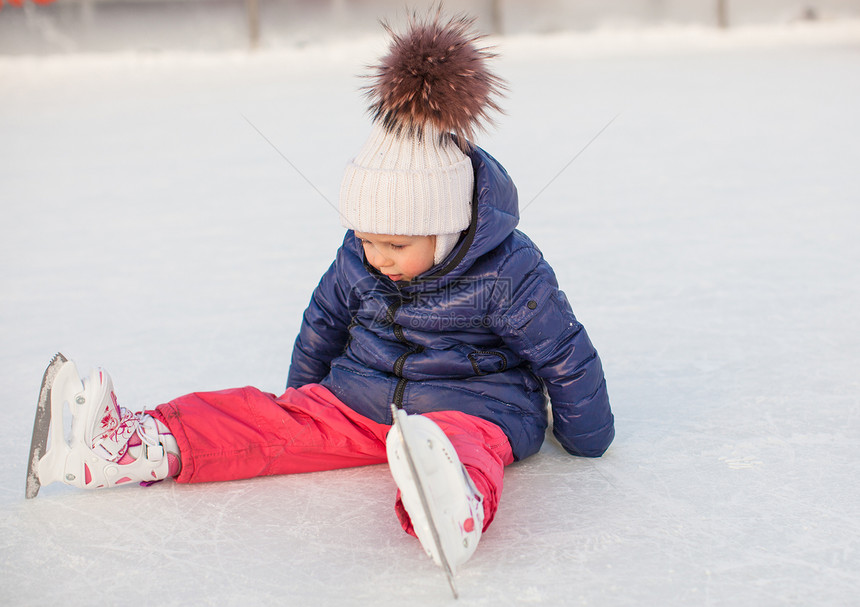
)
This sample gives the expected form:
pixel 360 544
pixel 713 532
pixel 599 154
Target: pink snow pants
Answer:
pixel 243 433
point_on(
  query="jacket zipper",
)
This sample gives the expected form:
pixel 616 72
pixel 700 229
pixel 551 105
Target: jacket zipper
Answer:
pixel 400 388
pixel 390 311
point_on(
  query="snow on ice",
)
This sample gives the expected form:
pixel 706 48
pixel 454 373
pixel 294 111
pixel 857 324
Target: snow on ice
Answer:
pixel 707 239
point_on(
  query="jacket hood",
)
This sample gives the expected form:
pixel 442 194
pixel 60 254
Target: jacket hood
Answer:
pixel 495 214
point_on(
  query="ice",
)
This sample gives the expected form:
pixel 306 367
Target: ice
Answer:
pixel 708 239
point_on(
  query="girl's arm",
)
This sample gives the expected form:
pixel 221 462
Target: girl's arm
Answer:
pixel 324 331
pixel 536 320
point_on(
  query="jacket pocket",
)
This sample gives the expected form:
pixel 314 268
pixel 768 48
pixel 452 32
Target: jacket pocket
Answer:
pixel 539 320
pixel 529 304
pixel 485 362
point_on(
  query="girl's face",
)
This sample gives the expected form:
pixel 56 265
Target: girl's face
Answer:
pixel 398 257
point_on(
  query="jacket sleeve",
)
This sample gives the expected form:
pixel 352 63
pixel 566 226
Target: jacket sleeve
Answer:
pixel 324 331
pixel 535 319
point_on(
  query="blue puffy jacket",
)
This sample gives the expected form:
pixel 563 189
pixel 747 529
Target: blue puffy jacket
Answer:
pixel 486 332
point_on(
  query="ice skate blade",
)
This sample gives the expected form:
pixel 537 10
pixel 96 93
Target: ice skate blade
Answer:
pixel 42 425
pixel 399 417
pixel 49 450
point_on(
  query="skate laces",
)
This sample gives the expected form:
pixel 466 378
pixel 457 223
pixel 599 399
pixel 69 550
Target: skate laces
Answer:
pixel 116 430
pixel 119 431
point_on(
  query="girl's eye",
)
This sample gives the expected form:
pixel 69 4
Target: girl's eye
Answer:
pixel 397 247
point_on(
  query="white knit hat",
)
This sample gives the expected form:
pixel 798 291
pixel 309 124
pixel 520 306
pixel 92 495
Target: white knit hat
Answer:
pixel 407 185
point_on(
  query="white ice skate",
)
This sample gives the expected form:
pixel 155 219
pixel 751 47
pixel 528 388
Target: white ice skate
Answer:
pixel 100 434
pixel 446 509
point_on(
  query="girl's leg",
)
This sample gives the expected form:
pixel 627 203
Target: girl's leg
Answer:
pixel 483 449
pixel 244 433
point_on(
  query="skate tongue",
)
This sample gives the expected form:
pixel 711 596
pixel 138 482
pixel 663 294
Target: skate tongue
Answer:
pixel 114 441
pixel 113 425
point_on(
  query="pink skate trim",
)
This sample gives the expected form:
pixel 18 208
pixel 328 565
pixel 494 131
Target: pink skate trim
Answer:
pixel 173 465
pixel 127 457
pixel 88 477
pixel 469 525
pixel 122 480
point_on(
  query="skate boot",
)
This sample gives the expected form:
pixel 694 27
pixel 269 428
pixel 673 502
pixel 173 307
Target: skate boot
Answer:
pixel 446 509
pixel 108 446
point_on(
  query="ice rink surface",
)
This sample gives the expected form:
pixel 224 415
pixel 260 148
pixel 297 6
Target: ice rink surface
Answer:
pixel 707 238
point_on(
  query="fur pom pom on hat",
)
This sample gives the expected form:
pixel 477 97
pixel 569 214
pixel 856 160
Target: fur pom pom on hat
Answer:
pixel 435 74
pixel 429 94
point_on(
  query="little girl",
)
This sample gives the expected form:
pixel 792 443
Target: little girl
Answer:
pixel 434 304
